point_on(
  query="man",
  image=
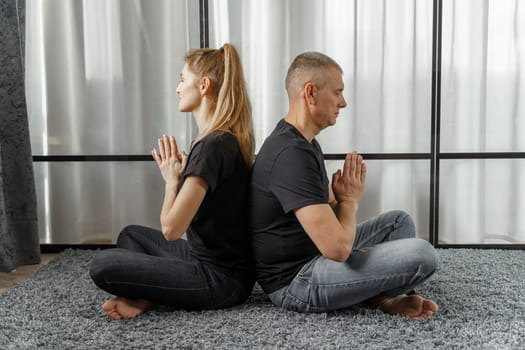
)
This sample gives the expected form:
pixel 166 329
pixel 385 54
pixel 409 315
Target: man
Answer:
pixel 310 254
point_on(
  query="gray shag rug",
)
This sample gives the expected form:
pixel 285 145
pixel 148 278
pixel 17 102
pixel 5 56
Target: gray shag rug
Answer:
pixel 480 293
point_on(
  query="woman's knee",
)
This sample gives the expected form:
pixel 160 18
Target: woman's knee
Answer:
pixel 99 266
pixel 127 234
pixel 105 264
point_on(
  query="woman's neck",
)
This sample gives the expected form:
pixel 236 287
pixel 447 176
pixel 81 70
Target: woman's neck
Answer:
pixel 203 114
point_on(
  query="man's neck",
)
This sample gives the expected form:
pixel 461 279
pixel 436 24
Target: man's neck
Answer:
pixel 301 123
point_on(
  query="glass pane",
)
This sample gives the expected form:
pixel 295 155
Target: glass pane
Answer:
pixel 101 75
pixel 393 185
pixel 482 201
pixel 90 202
pixel 483 73
pixel 383 47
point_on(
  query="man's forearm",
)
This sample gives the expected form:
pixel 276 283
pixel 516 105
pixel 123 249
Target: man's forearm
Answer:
pixel 346 213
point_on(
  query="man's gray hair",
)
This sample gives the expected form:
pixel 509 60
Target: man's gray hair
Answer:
pixel 308 63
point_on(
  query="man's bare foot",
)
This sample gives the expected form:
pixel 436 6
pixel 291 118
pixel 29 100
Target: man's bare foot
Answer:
pixel 119 308
pixel 412 306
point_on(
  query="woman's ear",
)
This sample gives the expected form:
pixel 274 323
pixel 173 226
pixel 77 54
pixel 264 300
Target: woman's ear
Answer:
pixel 205 85
pixel 309 93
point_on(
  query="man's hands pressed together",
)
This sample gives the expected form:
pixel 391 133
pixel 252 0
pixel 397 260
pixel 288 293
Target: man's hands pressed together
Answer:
pixel 334 233
pixel 349 185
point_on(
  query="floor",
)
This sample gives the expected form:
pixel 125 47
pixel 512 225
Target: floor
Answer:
pixel 9 279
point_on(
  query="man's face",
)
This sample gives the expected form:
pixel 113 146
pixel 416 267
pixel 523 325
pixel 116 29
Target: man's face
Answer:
pixel 329 99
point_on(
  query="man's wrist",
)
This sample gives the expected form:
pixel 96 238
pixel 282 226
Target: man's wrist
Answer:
pixel 352 205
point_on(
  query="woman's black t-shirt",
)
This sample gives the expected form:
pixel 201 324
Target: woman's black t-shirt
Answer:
pixel 218 235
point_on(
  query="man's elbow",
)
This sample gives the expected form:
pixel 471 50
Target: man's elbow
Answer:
pixel 341 254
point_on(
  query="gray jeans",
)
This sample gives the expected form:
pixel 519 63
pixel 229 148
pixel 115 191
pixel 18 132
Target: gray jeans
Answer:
pixel 386 259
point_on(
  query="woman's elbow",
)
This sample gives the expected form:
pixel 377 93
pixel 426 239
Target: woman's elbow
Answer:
pixel 170 234
pixel 172 229
pixel 166 232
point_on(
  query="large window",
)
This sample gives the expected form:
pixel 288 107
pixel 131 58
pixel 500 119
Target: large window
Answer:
pixel 482 122
pixel 101 77
pixel 385 50
pixel 434 90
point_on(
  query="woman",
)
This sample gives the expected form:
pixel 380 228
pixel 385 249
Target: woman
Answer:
pixel 205 196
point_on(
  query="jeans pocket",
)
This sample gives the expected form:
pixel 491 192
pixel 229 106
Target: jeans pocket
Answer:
pixel 305 273
pixel 292 303
pixel 297 296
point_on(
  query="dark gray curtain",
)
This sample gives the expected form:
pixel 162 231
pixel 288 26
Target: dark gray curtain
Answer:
pixel 19 242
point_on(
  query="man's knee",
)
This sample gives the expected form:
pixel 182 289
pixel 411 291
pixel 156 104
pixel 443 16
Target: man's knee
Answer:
pixel 402 220
pixel 425 254
pixel 402 216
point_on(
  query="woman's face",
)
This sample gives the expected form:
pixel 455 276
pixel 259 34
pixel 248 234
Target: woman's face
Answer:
pixel 188 91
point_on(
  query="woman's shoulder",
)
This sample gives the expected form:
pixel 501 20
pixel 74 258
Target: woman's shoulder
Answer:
pixel 218 136
pixel 218 141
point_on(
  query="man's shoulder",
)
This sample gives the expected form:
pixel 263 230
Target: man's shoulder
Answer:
pixel 284 136
pixel 282 149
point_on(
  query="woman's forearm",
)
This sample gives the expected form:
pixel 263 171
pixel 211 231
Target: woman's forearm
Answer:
pixel 180 206
pixel 170 195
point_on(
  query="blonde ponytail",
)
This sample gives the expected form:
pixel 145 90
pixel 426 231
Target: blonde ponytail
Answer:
pixel 232 104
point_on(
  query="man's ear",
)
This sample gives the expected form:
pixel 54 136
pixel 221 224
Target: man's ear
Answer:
pixel 204 85
pixel 309 91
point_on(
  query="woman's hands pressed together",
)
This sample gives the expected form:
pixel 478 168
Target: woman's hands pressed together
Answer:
pixel 181 203
pixel 171 163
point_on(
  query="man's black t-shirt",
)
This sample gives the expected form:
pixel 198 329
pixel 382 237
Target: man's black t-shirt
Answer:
pixel 288 174
pixel 218 235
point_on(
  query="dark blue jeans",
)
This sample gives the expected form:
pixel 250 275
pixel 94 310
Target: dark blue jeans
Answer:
pixel 147 266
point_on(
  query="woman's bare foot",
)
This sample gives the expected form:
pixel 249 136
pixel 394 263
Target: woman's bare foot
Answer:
pixel 412 306
pixel 119 308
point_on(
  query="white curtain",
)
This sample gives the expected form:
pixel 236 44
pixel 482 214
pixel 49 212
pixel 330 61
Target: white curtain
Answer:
pixel 483 110
pixel 101 78
pixel 385 50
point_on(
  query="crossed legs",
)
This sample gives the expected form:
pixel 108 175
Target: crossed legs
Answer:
pixel 386 264
pixel 145 269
